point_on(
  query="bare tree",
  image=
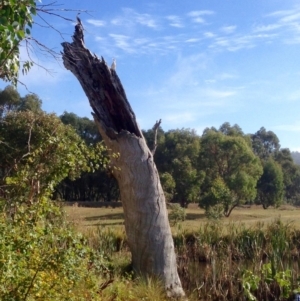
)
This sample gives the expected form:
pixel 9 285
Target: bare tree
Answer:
pixel 146 218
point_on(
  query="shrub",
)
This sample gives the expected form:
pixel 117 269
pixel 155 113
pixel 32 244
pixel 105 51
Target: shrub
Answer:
pixel 42 258
pixel 177 214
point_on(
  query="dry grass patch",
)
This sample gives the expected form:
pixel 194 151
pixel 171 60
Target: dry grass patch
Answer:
pixel 92 217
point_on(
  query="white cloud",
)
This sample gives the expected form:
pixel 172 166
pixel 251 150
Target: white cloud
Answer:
pixel 228 29
pixel 209 34
pixel 197 13
pixel 291 18
pixel 131 18
pixel 198 20
pixel 269 27
pixel 175 21
pixel 123 42
pixel 192 40
pixel 97 23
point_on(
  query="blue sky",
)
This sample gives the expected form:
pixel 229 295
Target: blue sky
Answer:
pixel 194 64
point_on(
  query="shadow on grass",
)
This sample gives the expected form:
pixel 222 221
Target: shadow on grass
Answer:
pixel 105 217
pixel 193 216
pixel 109 224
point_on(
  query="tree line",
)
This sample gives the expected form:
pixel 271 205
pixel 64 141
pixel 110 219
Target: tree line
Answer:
pixel 221 169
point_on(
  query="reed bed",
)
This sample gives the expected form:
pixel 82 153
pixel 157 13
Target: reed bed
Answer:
pixel 216 262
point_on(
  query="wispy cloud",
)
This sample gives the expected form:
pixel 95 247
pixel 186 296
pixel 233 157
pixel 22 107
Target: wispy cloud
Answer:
pixel 97 23
pixel 228 29
pixel 192 40
pixel 175 21
pixel 130 18
pixel 197 16
pixel 270 27
pixel 285 24
pixel 122 42
pixel 209 34
pixel 127 33
pixel 197 13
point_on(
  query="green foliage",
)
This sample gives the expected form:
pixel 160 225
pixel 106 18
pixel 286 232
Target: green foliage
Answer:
pixel 270 185
pixel 38 152
pixel 231 171
pixel 16 18
pixel 10 100
pixel 99 185
pixel 84 127
pixel 265 143
pixel 177 156
pixel 177 214
pixel 41 258
pixel 291 175
pixel 270 278
pixel 214 212
pixel 169 185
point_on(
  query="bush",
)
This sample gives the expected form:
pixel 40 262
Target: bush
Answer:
pixel 214 212
pixel 42 258
pixel 177 214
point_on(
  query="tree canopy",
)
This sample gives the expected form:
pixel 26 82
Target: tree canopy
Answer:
pixel 270 186
pixel 231 171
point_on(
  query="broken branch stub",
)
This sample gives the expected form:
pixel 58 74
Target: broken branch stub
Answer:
pixel 101 85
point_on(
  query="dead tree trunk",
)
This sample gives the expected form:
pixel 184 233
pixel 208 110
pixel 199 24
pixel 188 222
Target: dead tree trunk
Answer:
pixel 146 218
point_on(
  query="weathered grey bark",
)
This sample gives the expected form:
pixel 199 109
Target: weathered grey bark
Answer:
pixel 146 219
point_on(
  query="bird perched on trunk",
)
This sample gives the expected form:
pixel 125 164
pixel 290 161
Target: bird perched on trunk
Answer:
pixel 79 28
pixel 78 19
pixel 114 65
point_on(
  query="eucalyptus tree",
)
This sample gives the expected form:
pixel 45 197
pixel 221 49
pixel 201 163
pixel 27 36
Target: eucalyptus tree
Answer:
pixel 270 187
pixel 11 100
pixel 265 143
pixel 177 161
pixel 231 171
pixel 291 174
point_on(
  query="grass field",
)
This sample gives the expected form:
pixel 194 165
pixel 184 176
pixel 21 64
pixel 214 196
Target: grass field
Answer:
pixel 92 217
pixel 207 253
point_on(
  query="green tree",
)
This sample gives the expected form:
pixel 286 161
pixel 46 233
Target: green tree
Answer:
pixel 291 174
pixel 231 171
pixel 229 130
pixel 37 152
pixel 265 143
pixel 99 185
pixel 85 127
pixel 177 155
pixel 169 185
pixel 30 102
pixel 270 187
pixel 40 256
pixel 10 100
